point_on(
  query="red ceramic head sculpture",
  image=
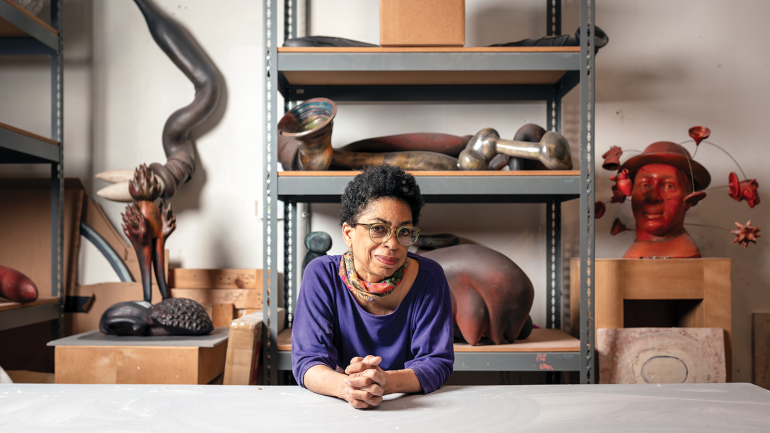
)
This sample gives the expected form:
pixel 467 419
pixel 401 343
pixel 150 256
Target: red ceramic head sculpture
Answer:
pixel 664 176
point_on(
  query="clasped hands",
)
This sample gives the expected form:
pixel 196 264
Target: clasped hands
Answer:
pixel 365 383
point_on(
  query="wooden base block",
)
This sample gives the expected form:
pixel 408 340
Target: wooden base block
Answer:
pixel 761 349
pixel 139 364
pixel 699 288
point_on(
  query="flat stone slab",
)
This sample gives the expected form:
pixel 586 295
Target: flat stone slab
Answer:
pixel 96 338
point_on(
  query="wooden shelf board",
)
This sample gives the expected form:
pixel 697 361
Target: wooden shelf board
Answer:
pixel 28 134
pixel 5 306
pixel 541 340
pixel 482 173
pixel 8 30
pixel 377 50
pixel 419 78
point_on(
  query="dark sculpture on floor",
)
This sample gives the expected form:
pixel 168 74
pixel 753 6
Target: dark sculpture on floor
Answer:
pixel 304 143
pixel 16 286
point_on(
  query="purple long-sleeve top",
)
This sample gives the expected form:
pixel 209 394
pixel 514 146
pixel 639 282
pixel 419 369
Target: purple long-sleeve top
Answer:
pixel 330 328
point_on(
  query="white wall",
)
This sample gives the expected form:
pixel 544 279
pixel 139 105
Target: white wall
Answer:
pixel 669 66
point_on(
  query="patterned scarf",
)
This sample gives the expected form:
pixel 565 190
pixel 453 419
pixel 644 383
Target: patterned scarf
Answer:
pixel 364 290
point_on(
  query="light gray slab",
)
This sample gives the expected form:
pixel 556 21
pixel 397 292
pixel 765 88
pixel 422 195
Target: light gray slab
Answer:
pixel 547 408
pixel 96 338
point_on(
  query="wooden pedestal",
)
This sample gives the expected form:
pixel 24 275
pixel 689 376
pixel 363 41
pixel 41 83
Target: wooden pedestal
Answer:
pixel 690 293
pixel 92 357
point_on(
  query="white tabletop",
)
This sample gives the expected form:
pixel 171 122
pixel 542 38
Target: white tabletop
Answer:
pixel 548 408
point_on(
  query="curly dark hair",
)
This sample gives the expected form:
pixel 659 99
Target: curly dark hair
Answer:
pixel 382 181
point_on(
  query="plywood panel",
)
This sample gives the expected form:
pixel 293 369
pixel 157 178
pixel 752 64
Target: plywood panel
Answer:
pixel 215 279
pixel 222 315
pixel 761 349
pixel 239 298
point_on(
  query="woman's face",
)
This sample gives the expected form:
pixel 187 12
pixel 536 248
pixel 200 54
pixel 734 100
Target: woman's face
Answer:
pixel 375 262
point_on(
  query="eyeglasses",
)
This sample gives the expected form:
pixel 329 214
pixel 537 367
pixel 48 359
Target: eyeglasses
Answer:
pixel 380 233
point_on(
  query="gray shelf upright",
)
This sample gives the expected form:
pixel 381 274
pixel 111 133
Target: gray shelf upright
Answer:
pixel 299 76
pixel 18 147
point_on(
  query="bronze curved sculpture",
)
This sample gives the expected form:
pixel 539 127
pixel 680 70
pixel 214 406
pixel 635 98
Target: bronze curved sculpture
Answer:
pixel 491 296
pixel 304 143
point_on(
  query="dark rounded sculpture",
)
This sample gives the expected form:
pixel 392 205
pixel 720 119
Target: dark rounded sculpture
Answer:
pixel 491 296
pixel 317 244
pixel 172 316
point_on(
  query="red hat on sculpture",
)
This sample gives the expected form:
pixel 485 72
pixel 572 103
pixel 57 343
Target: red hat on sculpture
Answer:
pixel 666 152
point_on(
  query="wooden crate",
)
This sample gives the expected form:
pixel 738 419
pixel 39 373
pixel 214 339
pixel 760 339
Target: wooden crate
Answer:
pixel 703 284
pixel 92 357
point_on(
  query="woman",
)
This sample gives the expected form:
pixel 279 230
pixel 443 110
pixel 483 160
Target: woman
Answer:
pixel 376 320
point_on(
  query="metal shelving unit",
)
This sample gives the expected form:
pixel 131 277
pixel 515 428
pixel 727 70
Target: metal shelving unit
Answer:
pixel 32 36
pixel 435 74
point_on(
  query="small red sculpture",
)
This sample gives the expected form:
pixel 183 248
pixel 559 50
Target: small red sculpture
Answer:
pixel 617 195
pixel 618 227
pixel 745 234
pixel 612 158
pixel 699 133
pixel 661 183
pixel 599 209
pixel 623 182
pixel 744 190
pixel 16 286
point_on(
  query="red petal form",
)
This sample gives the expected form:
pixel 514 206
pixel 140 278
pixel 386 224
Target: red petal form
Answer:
pixel 749 192
pixel 599 209
pixel 699 133
pixel 618 227
pixel 623 182
pixel 735 188
pixel 612 158
pixel 745 234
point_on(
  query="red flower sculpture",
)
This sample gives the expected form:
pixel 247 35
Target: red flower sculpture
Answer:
pixel 617 195
pixel 623 182
pixel 744 190
pixel 699 133
pixel 745 234
pixel 612 158
pixel 618 227
pixel 599 209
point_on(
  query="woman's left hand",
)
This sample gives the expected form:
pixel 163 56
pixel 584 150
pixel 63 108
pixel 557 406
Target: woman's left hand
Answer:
pixel 368 382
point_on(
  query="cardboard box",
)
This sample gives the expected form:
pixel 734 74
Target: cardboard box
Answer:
pixel 243 349
pixel 422 23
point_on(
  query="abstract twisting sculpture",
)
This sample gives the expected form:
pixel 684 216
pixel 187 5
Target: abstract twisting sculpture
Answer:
pixel 148 226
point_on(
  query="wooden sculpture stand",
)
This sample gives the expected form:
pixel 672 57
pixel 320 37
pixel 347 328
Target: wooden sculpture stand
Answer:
pixel 694 293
